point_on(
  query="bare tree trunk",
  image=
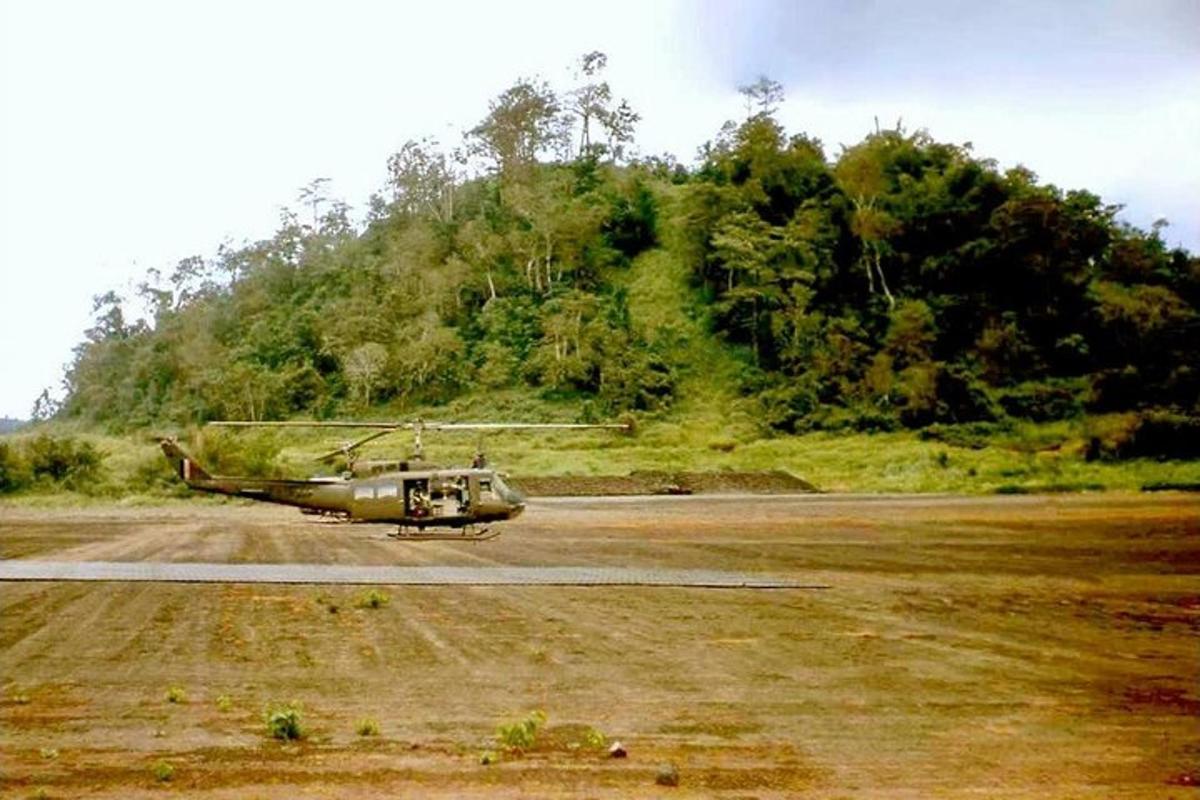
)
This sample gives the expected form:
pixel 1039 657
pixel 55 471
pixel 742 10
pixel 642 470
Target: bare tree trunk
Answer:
pixel 882 280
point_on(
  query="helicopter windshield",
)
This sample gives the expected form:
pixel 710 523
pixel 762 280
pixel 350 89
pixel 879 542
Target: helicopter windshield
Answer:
pixel 507 494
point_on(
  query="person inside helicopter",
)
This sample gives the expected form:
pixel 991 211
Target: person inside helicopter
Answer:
pixel 419 504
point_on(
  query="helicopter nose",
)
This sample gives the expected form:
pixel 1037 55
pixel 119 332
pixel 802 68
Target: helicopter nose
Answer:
pixel 517 509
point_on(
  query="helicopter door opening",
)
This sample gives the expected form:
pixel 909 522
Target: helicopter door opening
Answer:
pixel 450 495
pixel 417 502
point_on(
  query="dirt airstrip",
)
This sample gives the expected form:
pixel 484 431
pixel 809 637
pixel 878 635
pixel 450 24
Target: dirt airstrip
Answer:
pixel 1006 647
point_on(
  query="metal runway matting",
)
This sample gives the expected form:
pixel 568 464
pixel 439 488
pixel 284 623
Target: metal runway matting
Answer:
pixel 181 572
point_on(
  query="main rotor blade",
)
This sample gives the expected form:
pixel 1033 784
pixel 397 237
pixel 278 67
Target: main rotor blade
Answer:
pixel 429 426
pixel 517 426
pixel 310 424
pixel 350 448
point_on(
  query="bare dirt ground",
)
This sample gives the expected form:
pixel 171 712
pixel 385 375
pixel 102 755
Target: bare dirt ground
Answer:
pixel 1000 647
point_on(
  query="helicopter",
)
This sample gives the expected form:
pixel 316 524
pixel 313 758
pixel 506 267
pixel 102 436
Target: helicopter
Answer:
pixel 458 502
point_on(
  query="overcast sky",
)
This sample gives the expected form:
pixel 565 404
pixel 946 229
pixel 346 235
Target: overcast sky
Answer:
pixel 134 134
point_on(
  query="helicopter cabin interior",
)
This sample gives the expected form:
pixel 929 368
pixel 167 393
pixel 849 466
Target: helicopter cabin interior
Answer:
pixel 428 495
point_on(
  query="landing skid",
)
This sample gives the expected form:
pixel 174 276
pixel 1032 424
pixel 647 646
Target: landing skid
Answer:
pixel 468 534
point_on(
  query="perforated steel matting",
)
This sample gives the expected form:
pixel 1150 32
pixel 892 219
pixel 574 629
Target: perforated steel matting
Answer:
pixel 21 570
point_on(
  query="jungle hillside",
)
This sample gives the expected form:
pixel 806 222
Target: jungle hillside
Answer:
pixel 898 313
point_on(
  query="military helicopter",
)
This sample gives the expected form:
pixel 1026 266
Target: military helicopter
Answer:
pixel 408 493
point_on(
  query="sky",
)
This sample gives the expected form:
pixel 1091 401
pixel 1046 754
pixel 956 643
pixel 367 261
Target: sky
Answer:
pixel 136 134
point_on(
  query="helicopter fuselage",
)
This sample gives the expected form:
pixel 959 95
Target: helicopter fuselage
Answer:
pixel 416 498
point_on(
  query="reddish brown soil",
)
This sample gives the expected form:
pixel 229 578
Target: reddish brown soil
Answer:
pixel 1003 647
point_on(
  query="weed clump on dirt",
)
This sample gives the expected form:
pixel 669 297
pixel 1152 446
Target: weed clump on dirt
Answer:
pixel 519 736
pixel 373 599
pixel 176 694
pixel 224 704
pixel 163 771
pixel 594 739
pixel 367 726
pixel 284 722
pixel 48 753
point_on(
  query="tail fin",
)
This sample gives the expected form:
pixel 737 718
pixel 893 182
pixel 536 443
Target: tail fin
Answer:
pixel 185 467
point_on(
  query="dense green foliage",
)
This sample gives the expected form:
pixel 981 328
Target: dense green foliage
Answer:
pixel 911 283
pixel 49 461
pixel 904 282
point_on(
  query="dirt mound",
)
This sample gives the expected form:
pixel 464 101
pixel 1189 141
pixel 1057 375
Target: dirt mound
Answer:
pixel 658 482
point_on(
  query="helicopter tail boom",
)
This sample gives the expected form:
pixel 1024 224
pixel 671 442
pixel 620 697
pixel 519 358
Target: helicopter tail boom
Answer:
pixel 185 467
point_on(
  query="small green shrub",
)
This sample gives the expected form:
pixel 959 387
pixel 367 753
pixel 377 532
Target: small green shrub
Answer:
pixel 1164 435
pixel 176 694
pixel 933 392
pixel 1115 390
pixel 521 735
pixel 373 599
pixel 367 726
pixel 224 704
pixel 1042 402
pixel 1153 434
pixel 487 758
pixel 971 435
pixel 46 459
pixel 163 771
pixel 48 753
pixel 631 226
pixel 284 722
pixel 785 405
pixel 1171 486
pixel 14 470
pixel 155 475
pixel 594 739
pixel 73 463
pixel 253 454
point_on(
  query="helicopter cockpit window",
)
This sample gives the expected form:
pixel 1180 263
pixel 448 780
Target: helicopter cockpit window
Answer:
pixel 364 492
pixel 390 490
pixel 485 487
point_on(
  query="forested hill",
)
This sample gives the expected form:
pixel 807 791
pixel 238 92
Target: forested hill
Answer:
pixel 901 281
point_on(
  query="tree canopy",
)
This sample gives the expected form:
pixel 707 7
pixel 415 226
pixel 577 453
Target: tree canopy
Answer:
pixel 900 281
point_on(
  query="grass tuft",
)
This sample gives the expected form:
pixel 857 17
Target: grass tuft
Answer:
pixel 519 736
pixel 285 722
pixel 374 598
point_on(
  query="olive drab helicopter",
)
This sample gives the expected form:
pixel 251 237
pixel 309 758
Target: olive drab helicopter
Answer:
pixel 408 493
